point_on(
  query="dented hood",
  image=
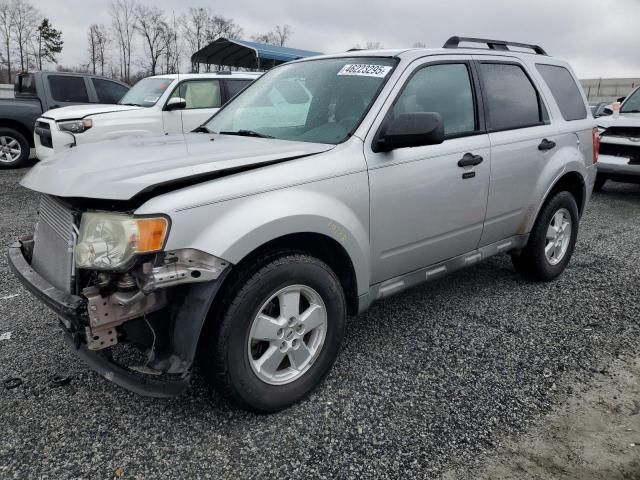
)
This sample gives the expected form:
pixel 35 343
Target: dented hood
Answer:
pixel 120 169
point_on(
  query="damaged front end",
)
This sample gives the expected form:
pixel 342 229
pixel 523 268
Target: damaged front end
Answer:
pixel 132 311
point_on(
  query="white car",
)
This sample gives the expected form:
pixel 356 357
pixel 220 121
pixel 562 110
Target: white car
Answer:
pixel 619 158
pixel 164 104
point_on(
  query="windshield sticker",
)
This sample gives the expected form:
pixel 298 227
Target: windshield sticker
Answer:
pixel 364 70
pixel 150 99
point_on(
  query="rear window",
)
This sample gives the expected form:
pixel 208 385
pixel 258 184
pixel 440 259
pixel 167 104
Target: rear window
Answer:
pixel 513 101
pixel 68 89
pixel 564 90
pixel 236 86
pixel 107 91
pixel 25 85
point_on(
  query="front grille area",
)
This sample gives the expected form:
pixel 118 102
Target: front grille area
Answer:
pixel 626 132
pixel 54 239
pixel 625 151
pixel 43 130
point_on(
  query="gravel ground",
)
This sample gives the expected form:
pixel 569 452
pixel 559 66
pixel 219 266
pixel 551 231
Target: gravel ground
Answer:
pixel 434 379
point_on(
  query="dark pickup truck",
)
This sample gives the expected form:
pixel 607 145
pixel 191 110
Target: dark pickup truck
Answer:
pixel 38 92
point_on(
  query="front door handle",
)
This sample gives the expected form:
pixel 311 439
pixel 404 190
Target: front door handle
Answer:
pixel 469 160
pixel 546 145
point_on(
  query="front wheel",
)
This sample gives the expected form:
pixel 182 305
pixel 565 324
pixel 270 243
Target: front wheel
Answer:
pixel 552 240
pixel 279 334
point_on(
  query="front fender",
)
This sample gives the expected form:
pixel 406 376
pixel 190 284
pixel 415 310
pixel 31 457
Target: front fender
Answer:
pixel 337 208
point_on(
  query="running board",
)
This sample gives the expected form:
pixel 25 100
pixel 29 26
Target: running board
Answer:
pixel 398 284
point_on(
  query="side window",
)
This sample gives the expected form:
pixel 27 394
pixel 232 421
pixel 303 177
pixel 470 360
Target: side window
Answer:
pixel 108 92
pixel 235 86
pixel 446 89
pixel 564 90
pixel 199 93
pixel 513 102
pixel 68 89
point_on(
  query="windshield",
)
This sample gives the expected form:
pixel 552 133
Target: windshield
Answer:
pixel 146 92
pixel 320 101
pixel 632 103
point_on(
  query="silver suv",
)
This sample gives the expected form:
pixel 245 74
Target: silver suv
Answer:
pixel 326 185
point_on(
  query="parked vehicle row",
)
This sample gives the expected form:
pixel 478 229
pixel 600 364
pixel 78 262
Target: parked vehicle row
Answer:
pixel 327 184
pixel 164 104
pixel 40 92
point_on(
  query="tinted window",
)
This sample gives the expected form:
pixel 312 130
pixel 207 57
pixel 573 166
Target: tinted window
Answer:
pixel 235 86
pixel 108 92
pixel 199 93
pixel 513 101
pixel 68 89
pixel 632 103
pixel 564 90
pixel 25 85
pixel 445 89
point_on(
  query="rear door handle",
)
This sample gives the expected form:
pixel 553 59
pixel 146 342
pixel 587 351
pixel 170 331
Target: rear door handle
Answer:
pixel 546 145
pixel 469 160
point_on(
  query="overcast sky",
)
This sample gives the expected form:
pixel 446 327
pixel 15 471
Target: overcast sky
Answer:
pixel 600 38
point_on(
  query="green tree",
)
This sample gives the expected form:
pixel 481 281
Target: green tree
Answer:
pixel 48 43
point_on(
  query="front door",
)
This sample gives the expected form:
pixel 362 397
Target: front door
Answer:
pixel 203 99
pixel 425 208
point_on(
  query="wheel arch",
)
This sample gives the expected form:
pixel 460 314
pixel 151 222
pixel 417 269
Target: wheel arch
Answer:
pixel 19 127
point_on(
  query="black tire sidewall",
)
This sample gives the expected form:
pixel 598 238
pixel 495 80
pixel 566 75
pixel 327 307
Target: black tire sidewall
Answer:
pixel 537 240
pixel 24 146
pixel 238 318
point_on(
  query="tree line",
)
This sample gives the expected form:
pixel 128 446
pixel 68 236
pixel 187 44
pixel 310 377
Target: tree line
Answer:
pixel 156 42
pixel 28 39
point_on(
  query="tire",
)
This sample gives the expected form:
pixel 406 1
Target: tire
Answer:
pixel 231 352
pixel 600 181
pixel 533 262
pixel 14 148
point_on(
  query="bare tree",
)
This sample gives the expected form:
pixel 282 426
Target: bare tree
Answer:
pixel 6 33
pixel 419 45
pixel 124 20
pixel 194 30
pixel 152 25
pixel 97 39
pixel 219 26
pixel 282 34
pixel 25 23
pixel 171 58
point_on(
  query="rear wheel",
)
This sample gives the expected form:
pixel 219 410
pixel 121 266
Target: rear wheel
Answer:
pixel 278 335
pixel 14 148
pixel 552 240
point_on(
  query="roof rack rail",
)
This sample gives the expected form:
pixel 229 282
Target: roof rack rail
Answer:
pixel 454 42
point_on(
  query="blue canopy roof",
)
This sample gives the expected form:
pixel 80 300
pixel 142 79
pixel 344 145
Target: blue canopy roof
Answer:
pixel 243 53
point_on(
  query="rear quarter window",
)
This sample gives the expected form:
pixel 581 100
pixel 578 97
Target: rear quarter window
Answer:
pixel 564 90
pixel 66 88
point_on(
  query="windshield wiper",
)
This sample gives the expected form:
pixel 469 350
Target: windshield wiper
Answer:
pixel 201 129
pixel 247 133
pixel 131 104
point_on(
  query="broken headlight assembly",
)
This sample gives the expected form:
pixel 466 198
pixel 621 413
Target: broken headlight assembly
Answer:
pixel 109 241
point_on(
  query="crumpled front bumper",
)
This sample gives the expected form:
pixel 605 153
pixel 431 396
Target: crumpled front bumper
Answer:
pixel 72 311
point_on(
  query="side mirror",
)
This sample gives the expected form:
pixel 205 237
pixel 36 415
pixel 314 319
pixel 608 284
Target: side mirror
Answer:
pixel 176 103
pixel 606 111
pixel 411 130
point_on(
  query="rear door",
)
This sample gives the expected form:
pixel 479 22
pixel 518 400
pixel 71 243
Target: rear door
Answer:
pixel 425 208
pixel 522 139
pixel 203 98
pixel 234 86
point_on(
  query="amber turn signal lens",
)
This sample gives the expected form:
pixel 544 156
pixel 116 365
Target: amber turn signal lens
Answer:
pixel 151 234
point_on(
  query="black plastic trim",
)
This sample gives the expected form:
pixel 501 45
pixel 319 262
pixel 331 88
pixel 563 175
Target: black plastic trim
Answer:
pixel 454 42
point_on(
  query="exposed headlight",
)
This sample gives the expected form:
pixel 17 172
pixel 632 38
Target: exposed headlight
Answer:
pixel 76 126
pixel 109 241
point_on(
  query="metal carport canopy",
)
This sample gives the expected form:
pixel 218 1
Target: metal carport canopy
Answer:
pixel 243 53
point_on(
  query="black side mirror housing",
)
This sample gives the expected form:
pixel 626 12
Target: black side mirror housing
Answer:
pixel 176 103
pixel 411 130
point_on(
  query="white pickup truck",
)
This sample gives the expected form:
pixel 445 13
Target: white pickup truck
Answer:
pixel 619 158
pixel 163 104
